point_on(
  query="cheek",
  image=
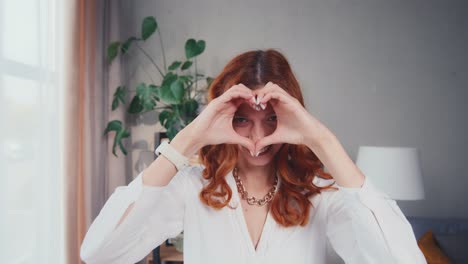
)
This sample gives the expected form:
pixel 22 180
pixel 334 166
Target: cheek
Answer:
pixel 270 128
pixel 241 130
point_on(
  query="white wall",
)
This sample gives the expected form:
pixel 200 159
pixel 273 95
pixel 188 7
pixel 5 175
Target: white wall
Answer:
pixel 386 73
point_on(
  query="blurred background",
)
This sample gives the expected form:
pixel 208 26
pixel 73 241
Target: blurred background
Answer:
pixel 376 72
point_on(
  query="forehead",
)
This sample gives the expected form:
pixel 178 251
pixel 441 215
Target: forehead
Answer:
pixel 247 109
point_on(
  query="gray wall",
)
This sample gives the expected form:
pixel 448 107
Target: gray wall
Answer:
pixel 384 73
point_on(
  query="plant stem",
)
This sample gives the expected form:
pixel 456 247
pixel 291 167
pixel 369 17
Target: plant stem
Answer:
pixel 151 59
pixel 156 108
pixel 189 90
pixel 162 107
pixel 182 122
pixel 144 69
pixel 162 49
pixel 196 74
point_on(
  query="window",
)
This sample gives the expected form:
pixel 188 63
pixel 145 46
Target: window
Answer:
pixel 31 225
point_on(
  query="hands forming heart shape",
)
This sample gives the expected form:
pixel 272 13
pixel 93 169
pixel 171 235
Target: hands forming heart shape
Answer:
pixel 294 124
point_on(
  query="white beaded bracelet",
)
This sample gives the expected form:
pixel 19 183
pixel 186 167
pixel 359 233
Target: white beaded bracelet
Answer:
pixel 168 151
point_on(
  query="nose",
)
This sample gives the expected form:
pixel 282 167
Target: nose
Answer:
pixel 258 131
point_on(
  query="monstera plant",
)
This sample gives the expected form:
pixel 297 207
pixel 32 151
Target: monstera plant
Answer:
pixel 176 98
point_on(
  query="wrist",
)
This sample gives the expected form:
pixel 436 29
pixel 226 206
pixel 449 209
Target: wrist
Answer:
pixel 184 143
pixel 321 139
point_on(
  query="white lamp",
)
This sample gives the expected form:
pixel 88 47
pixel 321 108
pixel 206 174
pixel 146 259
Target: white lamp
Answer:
pixel 394 170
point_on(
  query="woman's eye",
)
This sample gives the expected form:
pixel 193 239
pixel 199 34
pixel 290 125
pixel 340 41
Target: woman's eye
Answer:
pixel 239 120
pixel 272 118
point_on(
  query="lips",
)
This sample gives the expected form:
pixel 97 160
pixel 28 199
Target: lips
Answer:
pixel 263 150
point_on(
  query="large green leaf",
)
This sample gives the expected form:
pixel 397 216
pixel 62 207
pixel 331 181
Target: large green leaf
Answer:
pixel 119 95
pixel 173 92
pixel 148 27
pixel 169 78
pixel 147 95
pixel 186 65
pixel 171 132
pixel 127 44
pixel 178 90
pixel 167 96
pixel 113 51
pixel 120 136
pixel 194 48
pixel 188 110
pixel 114 125
pixel 164 116
pixel 156 91
pixel 186 78
pixel 135 106
pixel 191 107
pixel 166 92
pixel 120 133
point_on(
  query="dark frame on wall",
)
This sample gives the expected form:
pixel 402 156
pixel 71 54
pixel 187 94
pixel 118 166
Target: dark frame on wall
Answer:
pixel 159 137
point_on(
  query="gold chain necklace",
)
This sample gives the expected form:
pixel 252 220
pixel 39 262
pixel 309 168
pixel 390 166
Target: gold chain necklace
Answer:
pixel 252 200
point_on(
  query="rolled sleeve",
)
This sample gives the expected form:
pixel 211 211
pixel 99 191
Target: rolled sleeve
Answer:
pixel 366 226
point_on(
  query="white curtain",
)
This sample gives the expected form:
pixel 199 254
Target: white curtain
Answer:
pixel 56 170
pixel 31 198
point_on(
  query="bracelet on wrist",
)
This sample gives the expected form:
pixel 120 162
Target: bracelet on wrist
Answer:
pixel 174 156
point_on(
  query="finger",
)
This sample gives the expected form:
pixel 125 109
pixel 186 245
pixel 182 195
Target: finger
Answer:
pixel 275 87
pixel 266 141
pixel 273 96
pixel 251 101
pixel 258 95
pixel 243 87
pixel 261 92
pixel 239 87
pixel 268 88
pixel 237 102
pixel 228 96
pixel 238 96
pixel 243 141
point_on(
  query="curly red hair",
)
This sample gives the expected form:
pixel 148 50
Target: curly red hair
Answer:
pixel 297 165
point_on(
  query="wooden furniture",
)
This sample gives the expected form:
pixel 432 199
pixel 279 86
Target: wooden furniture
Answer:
pixel 166 253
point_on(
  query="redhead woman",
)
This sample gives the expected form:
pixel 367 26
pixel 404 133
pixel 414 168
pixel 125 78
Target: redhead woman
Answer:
pixel 260 193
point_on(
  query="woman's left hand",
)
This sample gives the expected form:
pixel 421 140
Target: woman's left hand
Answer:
pixel 294 124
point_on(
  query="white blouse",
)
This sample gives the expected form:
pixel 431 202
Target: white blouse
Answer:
pixel 351 225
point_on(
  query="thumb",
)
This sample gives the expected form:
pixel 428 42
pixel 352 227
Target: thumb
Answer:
pixel 243 141
pixel 266 141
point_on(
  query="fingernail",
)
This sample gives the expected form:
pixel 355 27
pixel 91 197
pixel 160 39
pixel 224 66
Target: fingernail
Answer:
pixel 258 108
pixel 263 106
pixel 259 99
pixel 253 100
pixel 256 154
pixel 251 153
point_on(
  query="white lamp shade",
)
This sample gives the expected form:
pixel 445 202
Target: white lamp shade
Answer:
pixel 394 170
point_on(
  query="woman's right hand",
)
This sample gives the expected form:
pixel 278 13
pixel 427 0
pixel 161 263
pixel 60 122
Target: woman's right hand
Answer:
pixel 214 124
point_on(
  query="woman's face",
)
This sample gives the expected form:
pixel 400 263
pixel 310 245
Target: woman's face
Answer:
pixel 255 125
